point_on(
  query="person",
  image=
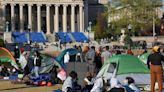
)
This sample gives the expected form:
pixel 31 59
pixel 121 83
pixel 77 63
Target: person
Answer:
pixel 115 86
pixel 154 63
pixel 88 84
pixel 68 83
pixel 99 85
pixel 89 58
pixel 129 51
pixel 66 57
pixel 130 86
pixel 98 60
pixel 16 53
pixel 37 63
pixel 105 54
pixel 53 75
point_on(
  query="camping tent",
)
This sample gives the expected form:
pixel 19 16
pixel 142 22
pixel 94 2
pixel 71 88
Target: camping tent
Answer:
pixel 122 66
pixel 6 56
pixel 60 57
pixel 144 57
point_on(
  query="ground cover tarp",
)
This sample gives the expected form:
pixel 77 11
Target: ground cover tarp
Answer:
pixel 6 56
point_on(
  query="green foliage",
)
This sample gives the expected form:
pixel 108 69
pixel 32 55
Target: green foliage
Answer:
pixel 99 27
pixel 138 13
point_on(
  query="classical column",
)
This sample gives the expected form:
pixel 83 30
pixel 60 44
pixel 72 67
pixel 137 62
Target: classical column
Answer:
pixel 3 16
pixel 56 21
pixel 65 18
pixel 38 18
pixel 21 17
pixel 12 17
pixel 73 18
pixel 30 15
pixel 48 18
pixel 81 17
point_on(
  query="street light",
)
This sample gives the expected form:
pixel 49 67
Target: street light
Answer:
pixel 89 29
pixel 129 28
pixel 65 40
pixel 29 29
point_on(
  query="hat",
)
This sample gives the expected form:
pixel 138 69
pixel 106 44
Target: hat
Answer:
pixel 156 48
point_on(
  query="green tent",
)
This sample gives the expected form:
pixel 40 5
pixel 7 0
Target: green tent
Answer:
pixel 121 66
pixel 144 57
pixel 128 64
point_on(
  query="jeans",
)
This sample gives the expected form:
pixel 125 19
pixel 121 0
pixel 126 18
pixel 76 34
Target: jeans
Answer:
pixel 36 71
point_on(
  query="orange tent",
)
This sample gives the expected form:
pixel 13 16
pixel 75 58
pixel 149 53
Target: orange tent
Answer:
pixel 6 56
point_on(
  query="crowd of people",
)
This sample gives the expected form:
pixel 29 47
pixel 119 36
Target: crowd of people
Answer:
pixel 94 58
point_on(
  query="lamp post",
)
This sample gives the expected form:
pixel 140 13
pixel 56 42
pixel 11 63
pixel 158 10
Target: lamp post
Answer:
pixel 89 29
pixel 29 29
pixel 129 29
pixel 65 40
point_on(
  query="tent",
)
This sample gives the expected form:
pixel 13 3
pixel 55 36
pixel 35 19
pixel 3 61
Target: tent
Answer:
pixel 59 58
pixel 19 37
pixel 6 56
pixel 144 57
pixel 122 66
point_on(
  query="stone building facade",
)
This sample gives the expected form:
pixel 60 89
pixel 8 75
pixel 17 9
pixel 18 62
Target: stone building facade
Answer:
pixel 43 15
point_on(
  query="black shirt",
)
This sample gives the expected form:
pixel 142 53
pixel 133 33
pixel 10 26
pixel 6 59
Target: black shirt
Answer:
pixel 155 59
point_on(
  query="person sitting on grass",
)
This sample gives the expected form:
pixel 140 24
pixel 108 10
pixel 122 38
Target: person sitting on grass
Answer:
pixel 69 84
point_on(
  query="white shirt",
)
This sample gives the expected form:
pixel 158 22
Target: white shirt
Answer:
pixel 133 87
pixel 66 58
pixel 67 83
pixel 98 85
pixel 22 61
pixel 105 55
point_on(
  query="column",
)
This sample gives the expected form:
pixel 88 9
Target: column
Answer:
pixel 12 18
pixel 3 16
pixel 81 17
pixel 48 18
pixel 30 15
pixel 73 18
pixel 38 18
pixel 21 17
pixel 65 18
pixel 56 21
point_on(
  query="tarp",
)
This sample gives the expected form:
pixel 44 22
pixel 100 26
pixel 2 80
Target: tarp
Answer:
pixel 59 58
pixel 37 37
pixel 19 37
pixel 79 37
pixel 6 56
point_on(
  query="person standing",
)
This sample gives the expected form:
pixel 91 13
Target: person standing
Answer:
pixel 105 54
pixel 37 63
pixel 154 62
pixel 89 58
pixel 17 53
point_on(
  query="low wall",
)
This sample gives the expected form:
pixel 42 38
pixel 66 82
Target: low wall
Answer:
pixel 149 39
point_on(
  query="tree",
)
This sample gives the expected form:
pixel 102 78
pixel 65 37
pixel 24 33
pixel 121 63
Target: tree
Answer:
pixel 139 14
pixel 99 27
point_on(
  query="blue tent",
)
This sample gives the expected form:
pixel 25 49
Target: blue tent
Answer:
pixel 37 37
pixel 19 37
pixel 59 58
pixel 63 36
pixel 79 37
